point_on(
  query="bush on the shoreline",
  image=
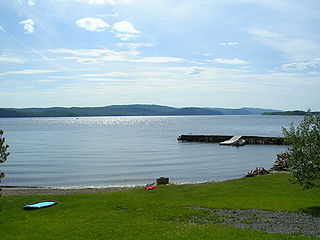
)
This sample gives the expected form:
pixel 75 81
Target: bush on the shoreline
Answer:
pixel 3 152
pixel 303 158
pixel 3 148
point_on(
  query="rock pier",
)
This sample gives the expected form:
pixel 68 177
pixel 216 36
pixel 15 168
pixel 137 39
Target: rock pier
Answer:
pixel 221 138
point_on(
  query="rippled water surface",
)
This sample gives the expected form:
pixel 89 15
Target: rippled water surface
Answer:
pixel 113 151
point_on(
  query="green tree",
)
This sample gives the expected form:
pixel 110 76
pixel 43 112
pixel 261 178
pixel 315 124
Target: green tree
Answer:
pixel 3 152
pixel 304 152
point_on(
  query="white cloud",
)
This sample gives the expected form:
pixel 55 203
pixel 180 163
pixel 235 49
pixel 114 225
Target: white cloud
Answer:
pixel 28 25
pixel 121 57
pixel 229 61
pixel 125 36
pixel 63 77
pixel 299 66
pixel 296 49
pixel 125 30
pixel 157 60
pixel 228 43
pixel 313 73
pixel 92 24
pixel 110 74
pixel 263 33
pixel 29 71
pixel 82 60
pixel 134 45
pixel 82 52
pixel 108 15
pixel 125 26
pixel 102 2
pixel 46 80
pixel 109 80
pixel 95 56
pixel 32 2
pixel 6 58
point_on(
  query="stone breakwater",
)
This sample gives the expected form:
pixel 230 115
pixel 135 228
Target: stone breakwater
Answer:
pixel 221 138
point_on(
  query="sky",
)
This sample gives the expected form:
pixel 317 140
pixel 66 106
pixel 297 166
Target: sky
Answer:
pixel 205 53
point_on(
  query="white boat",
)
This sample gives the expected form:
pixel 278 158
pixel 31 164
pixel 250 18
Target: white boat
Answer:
pixel 231 141
pixel 239 143
pixel 234 141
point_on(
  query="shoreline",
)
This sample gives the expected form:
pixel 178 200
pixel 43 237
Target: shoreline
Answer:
pixel 61 191
pixel 33 190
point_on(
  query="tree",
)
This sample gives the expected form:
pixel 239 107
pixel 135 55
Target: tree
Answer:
pixel 3 152
pixel 304 152
pixel 3 148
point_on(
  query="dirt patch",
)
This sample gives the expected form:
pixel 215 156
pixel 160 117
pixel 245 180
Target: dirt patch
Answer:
pixel 267 221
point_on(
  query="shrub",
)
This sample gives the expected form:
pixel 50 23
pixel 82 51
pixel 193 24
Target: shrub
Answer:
pixel 304 151
pixel 3 152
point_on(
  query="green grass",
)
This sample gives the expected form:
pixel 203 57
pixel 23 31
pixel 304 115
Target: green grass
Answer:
pixel 156 214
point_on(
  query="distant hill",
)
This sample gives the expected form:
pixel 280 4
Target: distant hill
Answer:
pixel 289 113
pixel 125 110
pixel 244 111
pixel 197 111
pixel 230 111
pixel 260 111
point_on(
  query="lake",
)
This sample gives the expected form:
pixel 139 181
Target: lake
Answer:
pixel 127 151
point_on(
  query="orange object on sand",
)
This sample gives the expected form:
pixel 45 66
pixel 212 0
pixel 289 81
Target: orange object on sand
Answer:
pixel 150 187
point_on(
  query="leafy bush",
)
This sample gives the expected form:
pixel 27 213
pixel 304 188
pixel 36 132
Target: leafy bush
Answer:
pixel 3 148
pixel 3 152
pixel 304 151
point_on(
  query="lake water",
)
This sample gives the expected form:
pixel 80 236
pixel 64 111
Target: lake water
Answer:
pixel 122 151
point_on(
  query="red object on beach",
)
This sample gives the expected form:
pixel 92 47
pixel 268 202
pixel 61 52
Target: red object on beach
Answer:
pixel 150 187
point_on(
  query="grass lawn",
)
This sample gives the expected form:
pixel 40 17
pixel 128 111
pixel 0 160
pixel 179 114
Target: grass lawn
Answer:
pixel 141 214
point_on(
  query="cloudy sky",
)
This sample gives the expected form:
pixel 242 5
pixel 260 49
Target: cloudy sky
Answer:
pixel 207 53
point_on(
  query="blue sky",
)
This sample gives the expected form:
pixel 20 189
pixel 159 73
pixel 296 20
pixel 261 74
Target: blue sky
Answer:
pixel 207 53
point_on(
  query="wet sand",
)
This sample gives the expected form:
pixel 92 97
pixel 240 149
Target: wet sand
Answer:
pixel 54 191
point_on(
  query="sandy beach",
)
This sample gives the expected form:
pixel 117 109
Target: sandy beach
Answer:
pixel 54 191
pixel 11 190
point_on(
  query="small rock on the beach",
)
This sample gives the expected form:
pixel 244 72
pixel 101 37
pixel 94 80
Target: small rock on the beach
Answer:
pixel 162 181
pixel 256 172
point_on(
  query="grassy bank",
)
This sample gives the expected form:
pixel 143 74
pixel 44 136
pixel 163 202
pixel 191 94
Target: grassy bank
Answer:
pixel 141 214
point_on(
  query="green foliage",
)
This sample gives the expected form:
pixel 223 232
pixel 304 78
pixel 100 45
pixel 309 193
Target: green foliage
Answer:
pixel 304 152
pixel 3 152
pixel 3 148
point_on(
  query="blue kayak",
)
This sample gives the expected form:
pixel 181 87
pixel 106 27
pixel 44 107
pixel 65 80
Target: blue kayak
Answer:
pixel 39 205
